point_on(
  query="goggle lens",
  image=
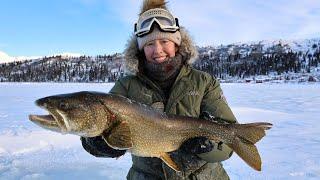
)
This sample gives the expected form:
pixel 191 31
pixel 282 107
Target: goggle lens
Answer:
pixel 164 23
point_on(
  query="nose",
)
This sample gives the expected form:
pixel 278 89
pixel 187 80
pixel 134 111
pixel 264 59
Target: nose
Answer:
pixel 158 49
pixel 159 54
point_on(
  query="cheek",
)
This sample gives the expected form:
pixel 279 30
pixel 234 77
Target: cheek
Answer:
pixel 148 53
pixel 171 49
pixel 171 52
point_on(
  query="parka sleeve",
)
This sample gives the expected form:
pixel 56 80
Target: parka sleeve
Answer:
pixel 96 146
pixel 216 105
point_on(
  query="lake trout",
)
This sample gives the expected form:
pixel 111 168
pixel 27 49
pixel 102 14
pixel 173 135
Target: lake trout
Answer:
pixel 141 130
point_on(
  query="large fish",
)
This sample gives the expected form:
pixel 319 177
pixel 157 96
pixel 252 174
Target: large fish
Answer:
pixel 140 129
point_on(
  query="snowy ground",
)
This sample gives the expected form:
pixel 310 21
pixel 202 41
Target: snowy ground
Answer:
pixel 291 150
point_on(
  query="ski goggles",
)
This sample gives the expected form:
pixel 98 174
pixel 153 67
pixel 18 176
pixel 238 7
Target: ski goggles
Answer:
pixel 162 17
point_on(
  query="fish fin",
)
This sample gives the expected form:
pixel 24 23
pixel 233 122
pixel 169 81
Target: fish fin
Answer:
pixel 246 136
pixel 119 137
pixel 248 152
pixel 252 132
pixel 168 160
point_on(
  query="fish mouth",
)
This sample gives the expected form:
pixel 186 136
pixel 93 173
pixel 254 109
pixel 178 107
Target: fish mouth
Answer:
pixel 43 118
pixel 53 121
pixel 46 121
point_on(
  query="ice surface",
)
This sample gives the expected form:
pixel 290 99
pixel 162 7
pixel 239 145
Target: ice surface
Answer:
pixel 291 149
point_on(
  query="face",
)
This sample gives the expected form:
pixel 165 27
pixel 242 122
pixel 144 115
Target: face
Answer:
pixel 159 50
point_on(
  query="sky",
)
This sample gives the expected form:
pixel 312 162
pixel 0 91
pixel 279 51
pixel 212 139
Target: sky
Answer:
pixel 36 28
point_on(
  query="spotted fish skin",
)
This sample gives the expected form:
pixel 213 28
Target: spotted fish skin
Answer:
pixel 128 125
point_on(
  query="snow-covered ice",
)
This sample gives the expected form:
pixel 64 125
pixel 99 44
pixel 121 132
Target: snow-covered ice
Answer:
pixel 291 149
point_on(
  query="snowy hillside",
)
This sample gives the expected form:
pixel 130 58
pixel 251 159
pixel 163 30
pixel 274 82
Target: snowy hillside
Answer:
pixel 276 61
pixel 305 46
pixel 64 68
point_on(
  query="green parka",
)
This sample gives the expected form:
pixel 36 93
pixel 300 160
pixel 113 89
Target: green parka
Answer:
pixel 192 93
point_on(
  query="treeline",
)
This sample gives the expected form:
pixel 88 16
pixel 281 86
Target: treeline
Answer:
pixel 64 69
pixel 252 64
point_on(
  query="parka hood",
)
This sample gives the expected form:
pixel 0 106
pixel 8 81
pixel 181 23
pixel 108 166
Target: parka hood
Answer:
pixel 134 57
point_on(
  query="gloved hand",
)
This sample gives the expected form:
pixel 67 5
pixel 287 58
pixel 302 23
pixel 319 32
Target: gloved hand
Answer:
pixel 197 145
pixel 99 148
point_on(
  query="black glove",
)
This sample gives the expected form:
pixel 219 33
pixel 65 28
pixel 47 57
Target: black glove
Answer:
pixel 197 145
pixel 99 148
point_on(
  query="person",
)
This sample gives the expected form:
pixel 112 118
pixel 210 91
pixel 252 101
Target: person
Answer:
pixel 158 63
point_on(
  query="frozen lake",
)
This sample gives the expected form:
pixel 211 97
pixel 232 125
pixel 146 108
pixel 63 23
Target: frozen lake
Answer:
pixel 291 149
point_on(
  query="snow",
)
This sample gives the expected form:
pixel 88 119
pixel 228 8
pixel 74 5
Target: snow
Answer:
pixel 291 149
pixel 5 58
pixel 296 45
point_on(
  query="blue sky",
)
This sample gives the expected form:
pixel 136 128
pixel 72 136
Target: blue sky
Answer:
pixel 91 27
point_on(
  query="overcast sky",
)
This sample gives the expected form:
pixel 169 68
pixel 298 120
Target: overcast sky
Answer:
pixel 91 27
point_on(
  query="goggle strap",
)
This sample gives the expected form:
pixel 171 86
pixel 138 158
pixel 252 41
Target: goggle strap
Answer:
pixel 177 22
pixel 135 27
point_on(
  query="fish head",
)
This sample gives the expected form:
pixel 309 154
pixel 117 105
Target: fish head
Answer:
pixel 81 113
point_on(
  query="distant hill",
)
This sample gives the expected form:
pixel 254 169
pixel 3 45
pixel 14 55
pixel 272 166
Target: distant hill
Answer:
pixel 277 61
pixel 102 68
pixel 269 60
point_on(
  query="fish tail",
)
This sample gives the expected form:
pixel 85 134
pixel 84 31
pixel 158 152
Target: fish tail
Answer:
pixel 246 136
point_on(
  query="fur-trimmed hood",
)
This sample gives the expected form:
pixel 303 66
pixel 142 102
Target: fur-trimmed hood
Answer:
pixel 133 56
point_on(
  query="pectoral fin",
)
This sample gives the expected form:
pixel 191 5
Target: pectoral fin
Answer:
pixel 167 159
pixel 119 137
